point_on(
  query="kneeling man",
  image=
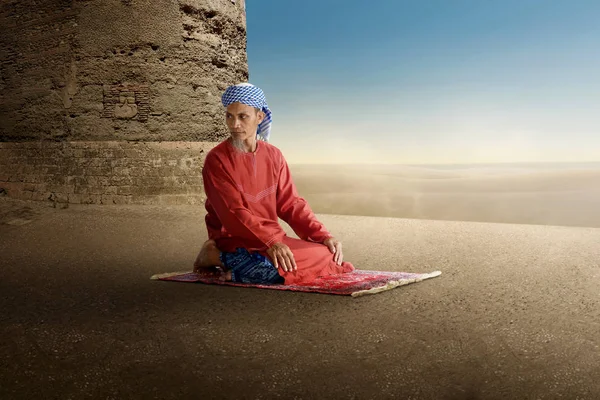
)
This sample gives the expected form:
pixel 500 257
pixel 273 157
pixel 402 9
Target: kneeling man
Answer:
pixel 248 187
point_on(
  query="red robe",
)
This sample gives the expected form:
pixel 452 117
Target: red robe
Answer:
pixel 247 193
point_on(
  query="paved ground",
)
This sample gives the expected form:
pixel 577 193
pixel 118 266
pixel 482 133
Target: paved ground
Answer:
pixel 515 315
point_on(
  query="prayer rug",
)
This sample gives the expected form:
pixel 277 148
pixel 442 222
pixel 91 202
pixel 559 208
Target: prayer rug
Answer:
pixel 356 283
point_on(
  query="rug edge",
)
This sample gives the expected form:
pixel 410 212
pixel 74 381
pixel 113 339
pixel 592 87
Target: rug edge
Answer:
pixel 156 277
pixel 394 284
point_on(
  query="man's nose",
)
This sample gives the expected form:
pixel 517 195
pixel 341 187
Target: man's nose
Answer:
pixel 236 123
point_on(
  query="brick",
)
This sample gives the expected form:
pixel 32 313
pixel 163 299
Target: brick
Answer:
pixel 40 187
pixel 91 153
pixel 122 199
pixel 133 154
pixel 56 188
pixel 110 190
pixel 144 199
pixel 84 199
pixel 27 170
pixel 97 162
pixel 194 189
pixel 96 198
pixel 118 162
pixel 97 180
pixel 53 169
pixel 16 178
pixel 174 199
pixel 187 172
pixel 77 153
pixel 146 180
pixel 108 199
pixel 125 190
pixel 80 189
pixel 156 163
pixel 121 171
pixel 112 144
pixel 55 179
pixel 167 171
pixel 83 144
pixel 74 198
pixel 119 154
pixel 78 180
pixel 140 190
pixel 187 180
pixel 144 171
pixel 50 146
pixel 169 180
pixel 121 180
pixel 59 197
pixel 95 190
pixel 15 186
pixel 41 196
pixel 105 170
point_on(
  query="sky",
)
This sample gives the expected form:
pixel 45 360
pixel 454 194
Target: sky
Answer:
pixel 429 81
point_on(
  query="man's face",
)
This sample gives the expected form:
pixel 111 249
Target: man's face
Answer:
pixel 242 121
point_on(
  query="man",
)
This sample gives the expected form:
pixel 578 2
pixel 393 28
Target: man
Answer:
pixel 248 187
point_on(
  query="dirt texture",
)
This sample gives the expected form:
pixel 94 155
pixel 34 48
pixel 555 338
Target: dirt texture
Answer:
pixel 515 314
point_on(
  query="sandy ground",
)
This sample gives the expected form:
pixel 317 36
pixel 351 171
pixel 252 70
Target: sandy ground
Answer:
pixel 515 315
pixel 567 196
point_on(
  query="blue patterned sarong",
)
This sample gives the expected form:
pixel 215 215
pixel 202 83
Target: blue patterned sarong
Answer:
pixel 250 267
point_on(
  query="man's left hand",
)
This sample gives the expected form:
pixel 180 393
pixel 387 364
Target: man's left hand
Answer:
pixel 335 246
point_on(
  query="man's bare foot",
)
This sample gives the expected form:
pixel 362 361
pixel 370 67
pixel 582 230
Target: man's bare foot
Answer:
pixel 214 273
pixel 208 258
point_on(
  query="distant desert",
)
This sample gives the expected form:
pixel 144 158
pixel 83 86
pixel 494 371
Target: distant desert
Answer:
pixel 567 195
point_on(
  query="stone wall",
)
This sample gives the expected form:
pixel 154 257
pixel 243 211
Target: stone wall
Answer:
pixel 113 172
pixel 87 84
pixel 118 70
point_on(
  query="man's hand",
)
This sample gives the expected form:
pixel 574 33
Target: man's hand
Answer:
pixel 282 256
pixel 335 246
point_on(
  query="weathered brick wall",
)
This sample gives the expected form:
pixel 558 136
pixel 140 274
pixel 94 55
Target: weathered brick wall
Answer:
pixel 118 70
pixel 86 87
pixel 104 172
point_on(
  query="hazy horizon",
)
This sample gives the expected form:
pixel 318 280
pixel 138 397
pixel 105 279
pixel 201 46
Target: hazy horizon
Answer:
pixel 593 164
pixel 429 82
pixel 530 193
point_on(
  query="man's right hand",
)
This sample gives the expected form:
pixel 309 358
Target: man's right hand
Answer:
pixel 282 256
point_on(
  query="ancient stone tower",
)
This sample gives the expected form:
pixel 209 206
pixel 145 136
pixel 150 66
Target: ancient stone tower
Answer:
pixel 114 101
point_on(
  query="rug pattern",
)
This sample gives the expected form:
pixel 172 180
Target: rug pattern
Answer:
pixel 356 283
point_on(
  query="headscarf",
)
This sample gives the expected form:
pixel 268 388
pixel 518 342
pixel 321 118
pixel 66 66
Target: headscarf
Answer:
pixel 252 96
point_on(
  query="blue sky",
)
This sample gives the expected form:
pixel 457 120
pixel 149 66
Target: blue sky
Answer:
pixel 424 81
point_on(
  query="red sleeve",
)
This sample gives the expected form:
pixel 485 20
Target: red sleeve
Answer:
pixel 213 224
pixel 226 200
pixel 294 209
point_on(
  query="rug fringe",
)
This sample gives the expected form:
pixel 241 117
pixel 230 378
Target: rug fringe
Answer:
pixel 394 284
pixel 168 275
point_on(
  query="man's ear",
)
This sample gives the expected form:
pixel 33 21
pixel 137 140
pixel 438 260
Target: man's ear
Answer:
pixel 261 116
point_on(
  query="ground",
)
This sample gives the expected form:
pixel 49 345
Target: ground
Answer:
pixel 514 315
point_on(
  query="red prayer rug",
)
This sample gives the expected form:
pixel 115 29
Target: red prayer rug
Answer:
pixel 356 283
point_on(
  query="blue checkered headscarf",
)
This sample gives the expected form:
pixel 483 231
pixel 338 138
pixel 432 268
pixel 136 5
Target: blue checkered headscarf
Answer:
pixel 252 96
